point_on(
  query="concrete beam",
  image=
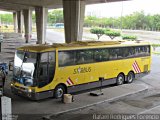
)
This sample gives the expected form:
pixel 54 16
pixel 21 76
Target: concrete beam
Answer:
pixel 73 19
pixel 43 3
pixel 27 24
pixel 48 3
pixel 13 6
pixel 41 22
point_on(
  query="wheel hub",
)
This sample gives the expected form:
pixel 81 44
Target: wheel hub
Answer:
pixel 59 92
pixel 120 80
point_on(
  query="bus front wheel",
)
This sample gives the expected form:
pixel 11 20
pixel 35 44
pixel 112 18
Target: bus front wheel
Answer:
pixel 120 79
pixel 59 91
pixel 130 77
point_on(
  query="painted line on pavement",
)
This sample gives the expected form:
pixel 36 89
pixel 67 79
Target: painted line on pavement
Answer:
pixel 89 105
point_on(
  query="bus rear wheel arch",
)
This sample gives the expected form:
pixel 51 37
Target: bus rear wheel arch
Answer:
pixel 120 79
pixel 130 77
pixel 59 91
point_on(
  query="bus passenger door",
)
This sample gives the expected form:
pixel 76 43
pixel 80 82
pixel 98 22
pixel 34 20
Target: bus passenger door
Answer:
pixel 46 68
pixel 43 70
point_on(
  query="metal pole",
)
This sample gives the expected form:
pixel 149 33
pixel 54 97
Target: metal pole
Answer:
pixel 0 46
pixel 121 16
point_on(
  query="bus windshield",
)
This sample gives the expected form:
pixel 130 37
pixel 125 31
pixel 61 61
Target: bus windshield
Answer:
pixel 24 67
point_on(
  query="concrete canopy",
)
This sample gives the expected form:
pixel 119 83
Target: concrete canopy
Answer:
pixel 24 4
pixel 73 16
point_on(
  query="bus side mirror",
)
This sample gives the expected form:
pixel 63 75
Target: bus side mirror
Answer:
pixel 11 65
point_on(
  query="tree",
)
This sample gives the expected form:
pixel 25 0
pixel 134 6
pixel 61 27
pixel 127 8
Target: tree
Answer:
pixel 91 21
pixel 112 33
pixel 55 16
pixel 136 20
pixel 6 18
pixel 129 37
pixel 98 31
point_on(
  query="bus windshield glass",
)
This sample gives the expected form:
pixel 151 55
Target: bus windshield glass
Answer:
pixel 24 67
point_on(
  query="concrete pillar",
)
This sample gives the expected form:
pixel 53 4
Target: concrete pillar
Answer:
pixel 15 21
pixel 41 22
pixel 27 24
pixel 74 11
pixel 20 21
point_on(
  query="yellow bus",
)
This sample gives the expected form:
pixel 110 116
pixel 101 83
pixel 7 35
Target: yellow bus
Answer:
pixel 42 71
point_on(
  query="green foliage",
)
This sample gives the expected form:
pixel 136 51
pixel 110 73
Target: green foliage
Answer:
pixel 129 37
pixel 6 18
pixel 55 16
pixel 136 20
pixel 98 31
pixel 33 17
pixel 91 21
pixel 112 33
pixel 155 45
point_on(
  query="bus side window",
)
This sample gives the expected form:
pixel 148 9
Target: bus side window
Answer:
pixel 125 51
pixel 89 56
pixel 80 57
pixel 66 58
pixel 113 54
pixel 147 50
pixel 119 52
pixel 51 67
pixel 131 51
pixel 44 64
pixel 101 55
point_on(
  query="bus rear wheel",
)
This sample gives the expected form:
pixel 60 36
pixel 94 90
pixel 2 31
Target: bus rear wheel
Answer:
pixel 59 91
pixel 130 77
pixel 120 79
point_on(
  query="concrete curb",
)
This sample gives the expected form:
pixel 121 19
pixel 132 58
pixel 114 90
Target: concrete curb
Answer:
pixel 48 117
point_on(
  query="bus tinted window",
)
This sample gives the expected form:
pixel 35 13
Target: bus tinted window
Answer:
pixel 125 52
pixel 113 53
pixel 84 56
pixel 51 67
pixel 67 58
pixel 120 53
pixel 44 64
pixel 131 52
pixel 142 50
pixel 101 55
pixel 76 57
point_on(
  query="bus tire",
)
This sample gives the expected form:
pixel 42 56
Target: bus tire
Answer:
pixel 59 91
pixel 130 77
pixel 120 79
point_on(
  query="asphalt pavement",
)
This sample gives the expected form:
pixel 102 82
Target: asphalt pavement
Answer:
pixel 49 108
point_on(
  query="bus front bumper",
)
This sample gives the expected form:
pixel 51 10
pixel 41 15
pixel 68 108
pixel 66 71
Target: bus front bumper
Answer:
pixel 32 95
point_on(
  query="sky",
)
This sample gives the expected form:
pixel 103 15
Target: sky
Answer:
pixel 114 9
pixel 4 12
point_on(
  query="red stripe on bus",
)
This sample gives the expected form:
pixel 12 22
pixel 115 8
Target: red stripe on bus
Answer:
pixel 68 82
pixel 135 68
pixel 71 81
pixel 138 66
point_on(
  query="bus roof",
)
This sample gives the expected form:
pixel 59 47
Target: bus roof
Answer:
pixel 80 45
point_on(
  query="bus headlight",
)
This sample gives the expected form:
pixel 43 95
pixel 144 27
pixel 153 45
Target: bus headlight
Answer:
pixel 30 90
pixel 11 84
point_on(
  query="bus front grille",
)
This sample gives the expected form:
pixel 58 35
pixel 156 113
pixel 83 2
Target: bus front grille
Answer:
pixel 21 88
